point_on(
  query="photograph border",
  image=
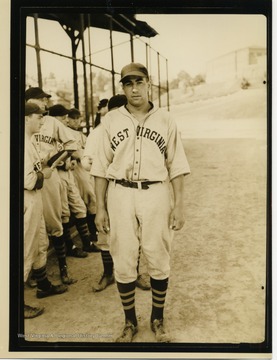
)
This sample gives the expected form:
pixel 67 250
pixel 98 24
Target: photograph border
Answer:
pixel 19 9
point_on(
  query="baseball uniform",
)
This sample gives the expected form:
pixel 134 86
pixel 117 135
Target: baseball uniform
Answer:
pixel 150 152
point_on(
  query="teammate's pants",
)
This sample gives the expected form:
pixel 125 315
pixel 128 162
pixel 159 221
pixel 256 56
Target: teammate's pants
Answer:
pixel 72 201
pixel 85 184
pixel 35 237
pixel 140 214
pixel 52 196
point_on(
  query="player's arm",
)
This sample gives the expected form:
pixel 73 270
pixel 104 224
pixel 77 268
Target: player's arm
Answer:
pixel 177 216
pixel 64 135
pixel 101 219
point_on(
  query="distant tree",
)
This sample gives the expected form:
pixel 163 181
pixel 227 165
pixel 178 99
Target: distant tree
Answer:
pixel 184 76
pixel 101 80
pixel 198 79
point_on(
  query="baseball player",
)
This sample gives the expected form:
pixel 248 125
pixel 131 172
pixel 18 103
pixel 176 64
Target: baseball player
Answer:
pixel 72 201
pixel 83 181
pixel 35 237
pixel 102 110
pixel 47 142
pixel 140 154
pixel 103 239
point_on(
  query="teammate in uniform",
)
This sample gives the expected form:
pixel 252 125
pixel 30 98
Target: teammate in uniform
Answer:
pixel 83 180
pixel 140 155
pixel 35 237
pixel 102 110
pixel 72 201
pixel 52 138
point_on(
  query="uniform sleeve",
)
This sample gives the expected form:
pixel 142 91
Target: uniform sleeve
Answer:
pixel 89 145
pixel 103 152
pixel 30 175
pixel 64 135
pixel 176 160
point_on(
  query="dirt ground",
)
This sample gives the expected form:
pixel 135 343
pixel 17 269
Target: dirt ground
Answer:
pixel 218 281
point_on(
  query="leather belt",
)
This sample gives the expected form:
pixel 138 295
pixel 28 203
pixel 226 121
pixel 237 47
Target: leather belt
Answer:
pixel 136 185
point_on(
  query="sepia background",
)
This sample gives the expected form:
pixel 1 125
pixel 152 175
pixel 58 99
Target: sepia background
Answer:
pixel 212 77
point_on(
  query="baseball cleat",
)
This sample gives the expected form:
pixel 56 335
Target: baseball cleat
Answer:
pixel 77 252
pixel 65 278
pixel 143 282
pixel 31 312
pixel 128 333
pixel 105 281
pixel 53 290
pixel 158 329
pixel 91 248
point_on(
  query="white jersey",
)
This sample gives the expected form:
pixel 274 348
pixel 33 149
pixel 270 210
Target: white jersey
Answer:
pixel 129 150
pixel 53 137
pixel 90 150
pixel 32 165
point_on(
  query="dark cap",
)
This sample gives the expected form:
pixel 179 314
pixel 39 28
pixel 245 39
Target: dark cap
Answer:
pixel 35 93
pixel 74 113
pixel 134 69
pixel 102 103
pixel 117 101
pixel 31 108
pixel 58 110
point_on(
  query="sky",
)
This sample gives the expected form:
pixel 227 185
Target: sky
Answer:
pixel 188 42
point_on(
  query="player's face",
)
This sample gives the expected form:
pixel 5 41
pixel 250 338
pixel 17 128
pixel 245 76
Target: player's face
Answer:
pixel 42 102
pixel 103 111
pixel 136 90
pixel 35 122
pixel 74 123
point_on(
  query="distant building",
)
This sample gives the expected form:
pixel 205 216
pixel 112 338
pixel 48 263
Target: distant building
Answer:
pixel 248 63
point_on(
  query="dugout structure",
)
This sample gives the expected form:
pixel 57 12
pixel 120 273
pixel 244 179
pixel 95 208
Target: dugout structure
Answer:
pixel 78 27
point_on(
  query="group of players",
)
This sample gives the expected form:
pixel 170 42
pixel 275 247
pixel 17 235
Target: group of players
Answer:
pixel 113 185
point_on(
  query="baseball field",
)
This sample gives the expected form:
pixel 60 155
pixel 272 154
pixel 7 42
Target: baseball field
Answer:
pixel 217 288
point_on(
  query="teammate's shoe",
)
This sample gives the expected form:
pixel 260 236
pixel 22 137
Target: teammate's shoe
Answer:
pixel 91 248
pixel 31 312
pixel 77 252
pixel 128 333
pixel 53 290
pixel 65 278
pixel 105 281
pixel 143 282
pixel 158 328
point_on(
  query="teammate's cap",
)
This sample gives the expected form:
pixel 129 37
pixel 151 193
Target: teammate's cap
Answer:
pixel 134 69
pixel 31 108
pixel 35 93
pixel 74 113
pixel 58 110
pixel 117 101
pixel 102 103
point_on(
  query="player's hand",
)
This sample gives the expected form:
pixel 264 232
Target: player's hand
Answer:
pixel 102 221
pixel 86 162
pixel 47 172
pixel 176 219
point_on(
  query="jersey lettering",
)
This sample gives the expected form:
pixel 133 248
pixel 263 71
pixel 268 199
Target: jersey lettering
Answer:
pixel 120 136
pixel 43 138
pixel 153 136
pixel 37 166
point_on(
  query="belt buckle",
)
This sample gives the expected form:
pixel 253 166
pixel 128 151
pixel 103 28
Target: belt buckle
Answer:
pixel 144 185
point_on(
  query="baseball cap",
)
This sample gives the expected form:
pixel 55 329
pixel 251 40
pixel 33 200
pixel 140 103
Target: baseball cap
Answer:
pixel 31 108
pixel 102 103
pixel 74 113
pixel 117 101
pixel 58 110
pixel 35 93
pixel 133 69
